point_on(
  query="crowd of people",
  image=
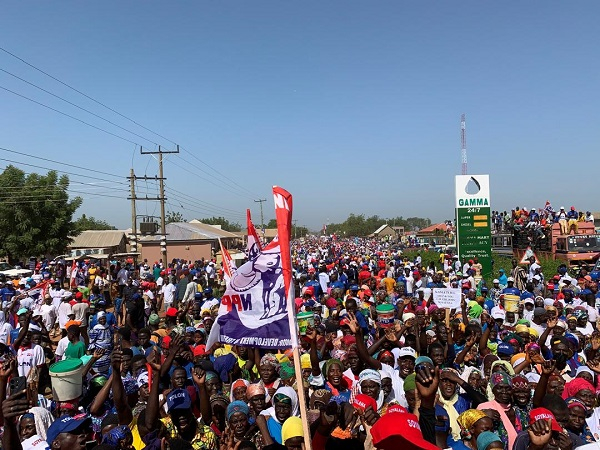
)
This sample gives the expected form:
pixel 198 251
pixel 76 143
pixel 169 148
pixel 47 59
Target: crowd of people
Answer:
pixel 539 220
pixel 382 366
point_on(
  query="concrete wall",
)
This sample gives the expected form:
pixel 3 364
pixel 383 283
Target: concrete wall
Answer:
pixel 190 252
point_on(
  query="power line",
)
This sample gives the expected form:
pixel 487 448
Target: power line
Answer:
pixel 77 106
pixel 85 95
pixel 219 173
pixel 61 163
pixel 69 115
pixel 203 202
pixel 223 176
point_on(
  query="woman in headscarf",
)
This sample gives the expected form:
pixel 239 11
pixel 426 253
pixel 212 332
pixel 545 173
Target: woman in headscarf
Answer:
pixel 33 427
pixel 238 390
pixel 582 390
pixel 474 377
pixel 522 398
pixel 218 404
pixel 577 423
pixel 214 385
pixel 268 370
pixel 285 404
pixel 369 383
pixel 509 424
pixel 472 423
pixel 5 329
pixel 101 337
pixel 331 378
pixel 238 423
pixel 448 408
pixel 256 395
pixel 318 401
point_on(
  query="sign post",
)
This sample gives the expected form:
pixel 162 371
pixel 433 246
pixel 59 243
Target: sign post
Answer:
pixel 473 220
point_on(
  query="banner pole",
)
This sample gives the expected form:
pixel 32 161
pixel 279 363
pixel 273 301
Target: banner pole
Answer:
pixel 302 398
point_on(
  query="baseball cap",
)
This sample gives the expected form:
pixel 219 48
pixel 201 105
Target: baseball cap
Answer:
pixel 498 314
pixel 22 311
pixel 200 350
pixel 510 279
pixel 544 414
pixel 505 349
pixel 495 280
pixel 171 312
pixel 354 287
pixel 363 401
pixel 539 311
pixel 178 399
pixel 399 430
pixel 528 300
pixel 407 351
pixel 153 319
pixel 65 424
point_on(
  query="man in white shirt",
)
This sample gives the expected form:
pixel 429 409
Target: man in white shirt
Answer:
pixel 48 312
pixel 29 355
pixel 168 292
pixel 56 292
pixel 533 265
pixel 64 310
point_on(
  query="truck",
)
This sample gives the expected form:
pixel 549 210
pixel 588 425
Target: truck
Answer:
pixel 576 249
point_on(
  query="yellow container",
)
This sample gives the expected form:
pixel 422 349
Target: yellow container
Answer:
pixel 511 303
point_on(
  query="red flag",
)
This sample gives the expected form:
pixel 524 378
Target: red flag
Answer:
pixel 228 264
pixel 254 245
pixel 283 214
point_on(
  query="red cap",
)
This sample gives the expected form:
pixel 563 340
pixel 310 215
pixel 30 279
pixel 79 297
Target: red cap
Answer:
pixel 200 350
pixel 399 430
pixel 172 312
pixel 166 342
pixel 348 340
pixel 78 295
pixel 344 321
pixel 396 409
pixel 544 414
pixel 363 401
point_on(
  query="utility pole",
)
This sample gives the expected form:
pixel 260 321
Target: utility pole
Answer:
pixel 262 220
pixel 161 198
pixel 133 235
pixel 295 227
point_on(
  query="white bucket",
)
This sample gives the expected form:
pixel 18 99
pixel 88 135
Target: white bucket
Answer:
pixel 67 385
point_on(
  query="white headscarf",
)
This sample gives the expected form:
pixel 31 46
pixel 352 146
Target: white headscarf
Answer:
pixel 289 392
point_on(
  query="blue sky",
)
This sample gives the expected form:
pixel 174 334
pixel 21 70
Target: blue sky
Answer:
pixel 351 106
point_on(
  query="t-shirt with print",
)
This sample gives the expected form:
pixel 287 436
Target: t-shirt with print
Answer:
pixel 28 358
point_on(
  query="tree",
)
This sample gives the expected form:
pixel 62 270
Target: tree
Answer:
pixel 174 216
pixel 91 223
pixel 225 224
pixel 359 225
pixel 36 215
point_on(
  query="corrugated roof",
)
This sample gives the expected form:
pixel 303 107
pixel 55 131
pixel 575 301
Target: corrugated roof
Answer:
pixel 381 228
pixel 98 239
pixel 196 231
pixel 433 228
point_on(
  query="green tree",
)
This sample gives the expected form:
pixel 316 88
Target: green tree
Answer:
pixel 91 223
pixel 36 215
pixel 174 216
pixel 359 225
pixel 225 224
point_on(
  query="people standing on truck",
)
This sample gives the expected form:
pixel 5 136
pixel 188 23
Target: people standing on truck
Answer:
pixel 589 217
pixel 572 216
pixel 562 220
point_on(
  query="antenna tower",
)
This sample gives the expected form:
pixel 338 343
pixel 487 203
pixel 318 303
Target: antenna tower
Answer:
pixel 463 144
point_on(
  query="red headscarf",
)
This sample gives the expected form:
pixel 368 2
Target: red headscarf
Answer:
pixel 576 385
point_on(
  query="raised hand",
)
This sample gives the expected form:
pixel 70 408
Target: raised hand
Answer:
pixel 427 379
pixel 15 405
pixel 540 432
pixel 548 367
pixel 353 323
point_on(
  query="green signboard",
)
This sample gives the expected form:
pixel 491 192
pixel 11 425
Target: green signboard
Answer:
pixel 473 220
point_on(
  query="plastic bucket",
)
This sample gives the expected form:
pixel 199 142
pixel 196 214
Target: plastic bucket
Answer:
pixel 305 320
pixel 511 303
pixel 386 315
pixel 67 383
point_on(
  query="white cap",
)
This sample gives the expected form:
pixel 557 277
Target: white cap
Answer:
pixel 495 280
pixel 430 333
pixel 510 279
pixel 537 277
pixel 499 314
pixel 407 351
pixel 407 316
pixel 562 207
pixel 562 324
pixel 528 300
